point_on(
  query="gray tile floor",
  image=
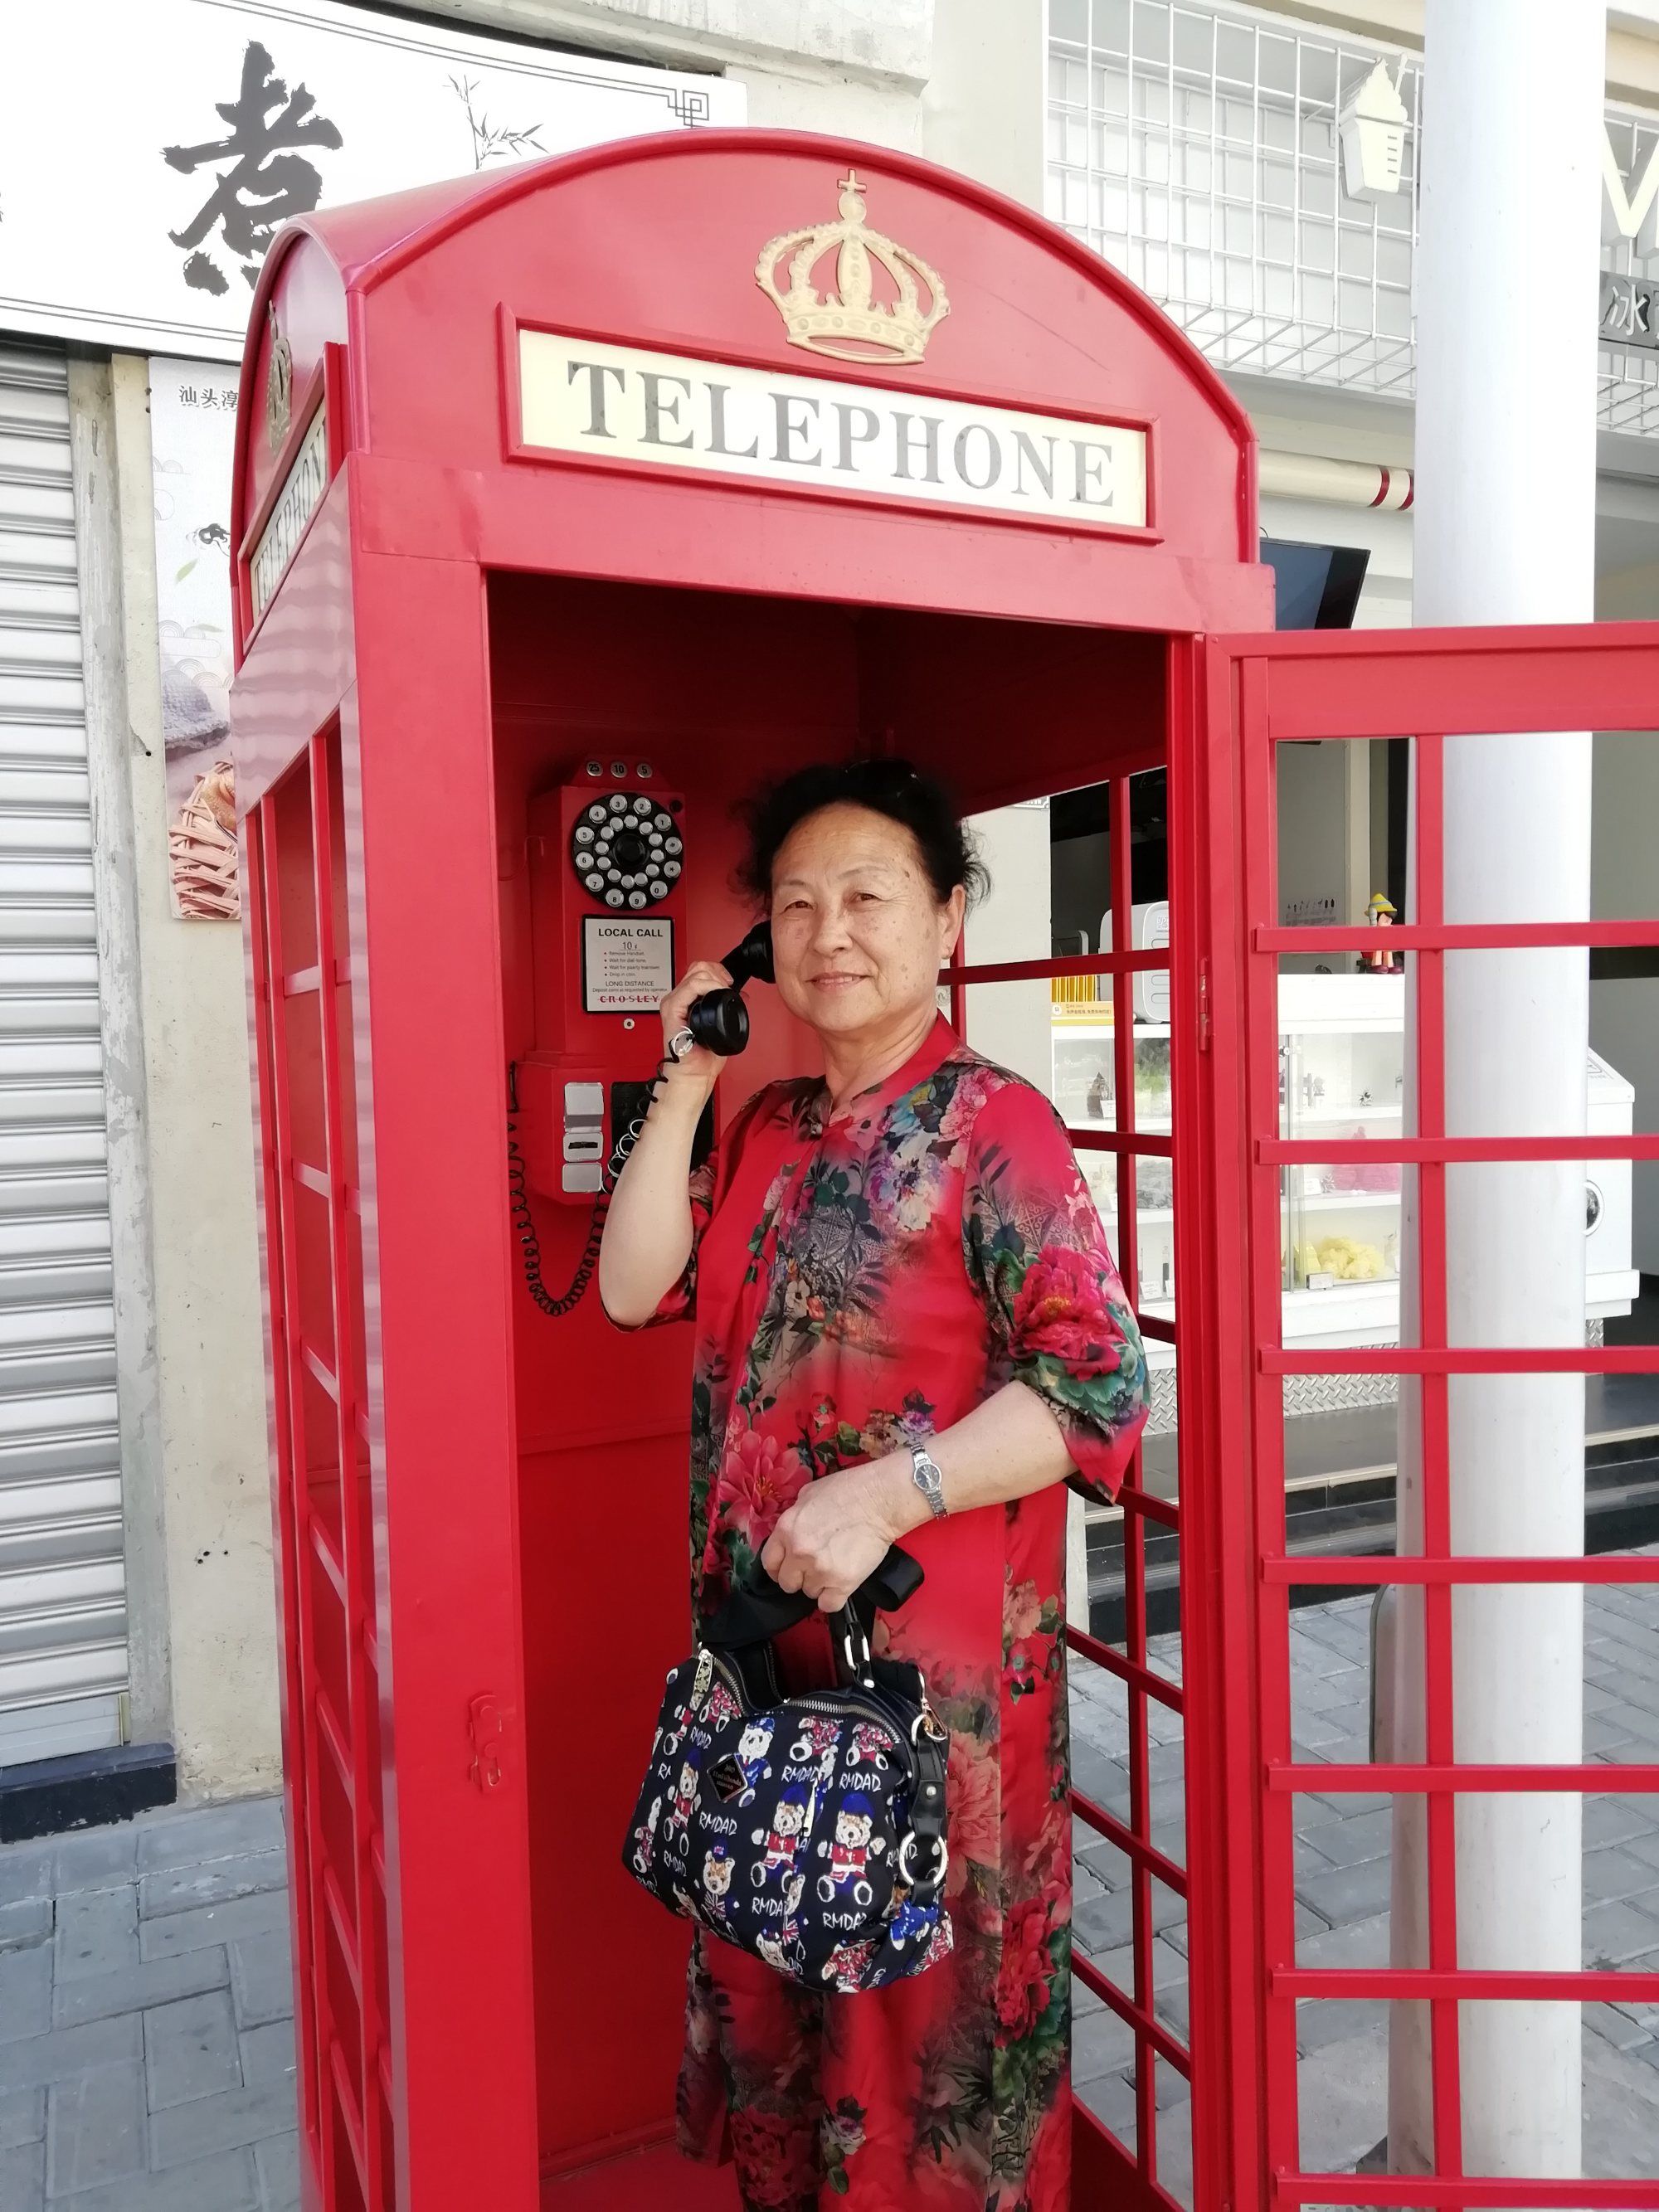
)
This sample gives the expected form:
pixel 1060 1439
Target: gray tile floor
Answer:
pixel 146 2029
pixel 147 2043
pixel 1342 1890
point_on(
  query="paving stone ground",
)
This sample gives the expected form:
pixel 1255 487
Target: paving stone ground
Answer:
pixel 146 2029
pixel 1342 1893
pixel 147 2041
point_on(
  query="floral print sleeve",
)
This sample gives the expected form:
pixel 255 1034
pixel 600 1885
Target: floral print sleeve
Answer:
pixel 1038 1254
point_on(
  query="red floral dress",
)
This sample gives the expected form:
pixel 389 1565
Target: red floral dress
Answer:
pixel 859 1286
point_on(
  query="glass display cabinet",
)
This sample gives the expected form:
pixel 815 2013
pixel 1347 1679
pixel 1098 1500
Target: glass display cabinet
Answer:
pixel 1341 1061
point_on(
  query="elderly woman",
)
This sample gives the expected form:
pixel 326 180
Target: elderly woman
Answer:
pixel 909 1330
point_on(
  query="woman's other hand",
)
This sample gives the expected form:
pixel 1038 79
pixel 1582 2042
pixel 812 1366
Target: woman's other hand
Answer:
pixel 838 1530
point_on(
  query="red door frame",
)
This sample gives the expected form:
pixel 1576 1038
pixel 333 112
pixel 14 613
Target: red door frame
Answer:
pixel 1104 2168
pixel 1262 692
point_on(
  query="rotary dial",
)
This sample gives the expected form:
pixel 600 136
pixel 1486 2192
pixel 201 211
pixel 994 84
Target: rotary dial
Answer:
pixel 627 850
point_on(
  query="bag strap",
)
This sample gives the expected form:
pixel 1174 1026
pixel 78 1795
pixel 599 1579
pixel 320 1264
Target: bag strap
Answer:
pixel 757 1610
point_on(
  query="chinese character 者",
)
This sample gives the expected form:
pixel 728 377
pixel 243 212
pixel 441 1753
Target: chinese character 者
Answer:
pixel 259 180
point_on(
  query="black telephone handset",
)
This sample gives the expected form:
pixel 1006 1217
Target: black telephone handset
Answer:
pixel 719 1020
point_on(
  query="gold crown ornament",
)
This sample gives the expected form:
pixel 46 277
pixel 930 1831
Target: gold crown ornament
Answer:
pixel 850 320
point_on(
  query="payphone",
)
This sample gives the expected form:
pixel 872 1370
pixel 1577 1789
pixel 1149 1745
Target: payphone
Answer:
pixel 606 854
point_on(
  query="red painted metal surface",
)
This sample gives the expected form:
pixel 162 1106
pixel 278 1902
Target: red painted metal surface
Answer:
pixel 1263 692
pixel 460 1488
pixel 459 1491
pixel 304 1044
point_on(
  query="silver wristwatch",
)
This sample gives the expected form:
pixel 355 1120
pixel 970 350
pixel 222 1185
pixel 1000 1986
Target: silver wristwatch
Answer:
pixel 925 1473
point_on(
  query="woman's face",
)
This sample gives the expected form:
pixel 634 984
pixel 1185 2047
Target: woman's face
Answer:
pixel 858 935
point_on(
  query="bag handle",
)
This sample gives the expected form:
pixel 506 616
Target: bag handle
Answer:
pixel 757 1610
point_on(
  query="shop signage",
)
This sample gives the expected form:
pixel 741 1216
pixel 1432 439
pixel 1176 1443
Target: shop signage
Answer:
pixel 818 434
pixel 1628 208
pixel 150 149
pixel 297 501
pixel 1629 311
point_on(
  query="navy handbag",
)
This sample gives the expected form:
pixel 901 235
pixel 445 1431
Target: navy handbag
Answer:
pixel 809 1830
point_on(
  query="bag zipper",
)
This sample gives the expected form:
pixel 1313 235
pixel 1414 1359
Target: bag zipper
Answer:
pixel 868 1704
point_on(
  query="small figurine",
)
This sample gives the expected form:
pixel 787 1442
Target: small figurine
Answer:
pixel 1097 1099
pixel 1382 961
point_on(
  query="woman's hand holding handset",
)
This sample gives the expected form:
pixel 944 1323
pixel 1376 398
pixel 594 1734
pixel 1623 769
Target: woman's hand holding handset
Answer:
pixel 700 1067
pixel 647 1228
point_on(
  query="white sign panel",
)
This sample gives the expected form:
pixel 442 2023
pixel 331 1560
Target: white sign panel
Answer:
pixel 297 501
pixel 148 149
pixel 192 410
pixel 824 434
pixel 628 966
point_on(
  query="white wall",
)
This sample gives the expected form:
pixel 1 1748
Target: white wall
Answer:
pixel 214 1480
pixel 1009 1022
pixel 959 80
pixel 982 106
pixel 1324 833
pixel 853 68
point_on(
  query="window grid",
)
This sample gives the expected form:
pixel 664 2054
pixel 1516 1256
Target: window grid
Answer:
pixel 1196 149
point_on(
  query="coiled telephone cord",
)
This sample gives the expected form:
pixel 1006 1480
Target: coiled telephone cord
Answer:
pixel 524 1219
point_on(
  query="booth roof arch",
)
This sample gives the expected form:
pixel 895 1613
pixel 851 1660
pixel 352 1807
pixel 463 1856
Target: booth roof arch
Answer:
pixel 651 244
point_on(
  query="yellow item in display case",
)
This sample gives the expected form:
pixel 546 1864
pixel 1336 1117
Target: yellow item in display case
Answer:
pixel 1348 1260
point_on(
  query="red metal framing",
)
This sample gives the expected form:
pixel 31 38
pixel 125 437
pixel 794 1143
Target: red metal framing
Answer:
pixel 335 1903
pixel 369 1918
pixel 1111 2159
pixel 1102 2158
pixel 1262 693
pixel 313 2009
pixel 379 619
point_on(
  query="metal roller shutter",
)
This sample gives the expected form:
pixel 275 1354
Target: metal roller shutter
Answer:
pixel 63 1604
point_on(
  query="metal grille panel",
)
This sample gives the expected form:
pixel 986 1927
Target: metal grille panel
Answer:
pixel 296 856
pixel 1196 149
pixel 1132 2164
pixel 1350 688
pixel 62 1605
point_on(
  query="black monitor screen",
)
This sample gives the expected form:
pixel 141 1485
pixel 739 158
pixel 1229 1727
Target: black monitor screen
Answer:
pixel 1315 587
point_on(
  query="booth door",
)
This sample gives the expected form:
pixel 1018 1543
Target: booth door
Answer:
pixel 1429 687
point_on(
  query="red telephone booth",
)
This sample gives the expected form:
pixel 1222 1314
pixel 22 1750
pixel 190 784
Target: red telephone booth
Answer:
pixel 570 502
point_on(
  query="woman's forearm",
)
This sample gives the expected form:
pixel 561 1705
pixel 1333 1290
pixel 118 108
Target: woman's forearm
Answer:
pixel 1007 1447
pixel 647 1230
pixel 837 1529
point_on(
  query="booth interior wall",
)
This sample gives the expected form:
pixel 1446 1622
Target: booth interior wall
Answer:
pixel 718 692
pixel 296 848
pixel 581 669
pixel 63 1585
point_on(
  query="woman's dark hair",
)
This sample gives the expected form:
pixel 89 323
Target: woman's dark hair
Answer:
pixel 893 787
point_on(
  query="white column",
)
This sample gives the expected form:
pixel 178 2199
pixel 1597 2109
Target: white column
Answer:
pixel 1506 301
